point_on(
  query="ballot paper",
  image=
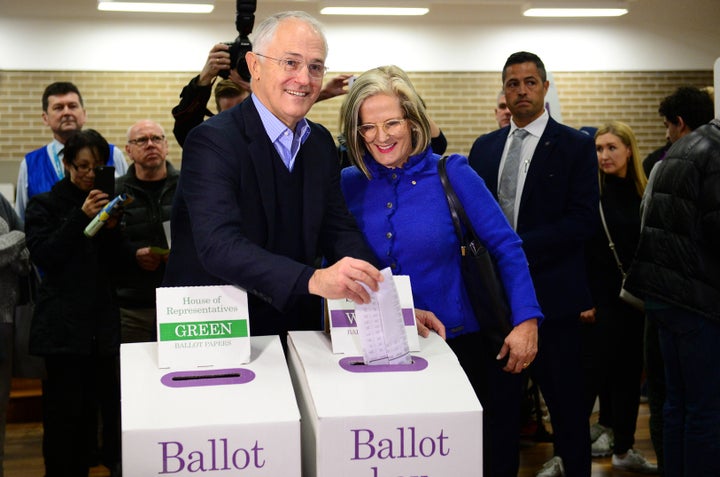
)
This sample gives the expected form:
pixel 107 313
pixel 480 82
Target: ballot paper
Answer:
pixel 381 325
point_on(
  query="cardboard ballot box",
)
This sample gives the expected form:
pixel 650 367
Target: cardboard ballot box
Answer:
pixel 230 421
pixel 385 421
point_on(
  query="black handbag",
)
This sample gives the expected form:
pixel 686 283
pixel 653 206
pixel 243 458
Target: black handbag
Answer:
pixel 479 272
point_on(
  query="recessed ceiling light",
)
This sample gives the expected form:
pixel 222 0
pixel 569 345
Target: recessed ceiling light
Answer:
pixel 575 12
pixel 156 6
pixel 415 11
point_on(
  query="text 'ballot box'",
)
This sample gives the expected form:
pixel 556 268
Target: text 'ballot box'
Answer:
pixel 385 421
pixel 231 421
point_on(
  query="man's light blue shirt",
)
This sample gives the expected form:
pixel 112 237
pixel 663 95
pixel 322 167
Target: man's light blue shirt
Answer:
pixel 286 141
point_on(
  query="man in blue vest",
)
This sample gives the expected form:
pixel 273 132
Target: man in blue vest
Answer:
pixel 63 113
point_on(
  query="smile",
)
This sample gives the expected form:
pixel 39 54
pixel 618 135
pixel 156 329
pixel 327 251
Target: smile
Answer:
pixel 299 94
pixel 386 149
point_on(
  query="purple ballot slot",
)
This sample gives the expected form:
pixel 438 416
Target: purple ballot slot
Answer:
pixel 354 364
pixel 346 318
pixel 209 377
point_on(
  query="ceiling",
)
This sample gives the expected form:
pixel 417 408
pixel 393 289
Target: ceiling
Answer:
pixel 440 10
pixel 670 18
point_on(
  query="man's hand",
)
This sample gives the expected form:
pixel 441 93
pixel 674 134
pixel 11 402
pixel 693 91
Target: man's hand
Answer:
pixel 522 346
pixel 341 280
pixel 334 87
pixel 588 316
pixel 427 322
pixel 148 260
pixel 218 59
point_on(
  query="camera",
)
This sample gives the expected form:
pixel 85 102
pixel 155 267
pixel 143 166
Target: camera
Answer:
pixel 244 22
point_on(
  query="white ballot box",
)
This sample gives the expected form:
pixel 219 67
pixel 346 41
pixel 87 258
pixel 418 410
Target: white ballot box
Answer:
pixel 421 419
pixel 222 422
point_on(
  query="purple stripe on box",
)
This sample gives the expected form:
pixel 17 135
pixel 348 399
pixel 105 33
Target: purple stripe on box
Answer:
pixel 346 318
pixel 354 364
pixel 207 377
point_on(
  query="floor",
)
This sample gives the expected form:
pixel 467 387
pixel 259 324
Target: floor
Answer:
pixel 23 452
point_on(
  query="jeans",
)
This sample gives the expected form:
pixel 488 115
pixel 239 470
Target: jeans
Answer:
pixel 689 343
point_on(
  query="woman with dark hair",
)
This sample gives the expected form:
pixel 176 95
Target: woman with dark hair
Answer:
pixel 76 326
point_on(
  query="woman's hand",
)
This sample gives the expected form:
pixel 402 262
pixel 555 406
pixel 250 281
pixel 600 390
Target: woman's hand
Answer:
pixel 427 321
pixel 94 202
pixel 521 345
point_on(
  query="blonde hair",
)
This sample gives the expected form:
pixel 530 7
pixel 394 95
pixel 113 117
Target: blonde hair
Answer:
pixel 635 170
pixel 392 81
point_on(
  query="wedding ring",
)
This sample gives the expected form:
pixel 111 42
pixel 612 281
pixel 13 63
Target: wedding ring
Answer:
pixel 525 365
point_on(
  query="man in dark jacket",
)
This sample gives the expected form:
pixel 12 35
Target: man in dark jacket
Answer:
pixel 683 111
pixel 150 181
pixel 677 271
pixel 259 196
pixel 553 206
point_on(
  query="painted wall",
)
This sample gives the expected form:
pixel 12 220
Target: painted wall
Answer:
pixel 621 44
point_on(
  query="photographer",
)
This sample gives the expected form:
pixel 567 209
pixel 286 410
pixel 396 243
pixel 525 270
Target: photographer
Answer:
pixel 194 97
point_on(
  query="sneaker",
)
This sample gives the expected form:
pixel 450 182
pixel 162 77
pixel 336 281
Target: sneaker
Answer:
pixel 552 468
pixel 596 430
pixel 633 461
pixel 603 445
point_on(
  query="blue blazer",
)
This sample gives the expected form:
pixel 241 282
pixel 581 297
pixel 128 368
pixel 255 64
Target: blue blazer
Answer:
pixel 558 211
pixel 224 211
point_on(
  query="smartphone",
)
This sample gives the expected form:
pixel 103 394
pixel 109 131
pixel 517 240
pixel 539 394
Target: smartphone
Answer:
pixel 105 180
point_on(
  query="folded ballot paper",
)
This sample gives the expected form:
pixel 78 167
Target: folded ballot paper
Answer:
pixel 381 325
pixel 343 328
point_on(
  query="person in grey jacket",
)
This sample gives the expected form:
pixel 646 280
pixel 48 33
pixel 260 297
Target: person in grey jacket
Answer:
pixel 677 271
pixel 14 262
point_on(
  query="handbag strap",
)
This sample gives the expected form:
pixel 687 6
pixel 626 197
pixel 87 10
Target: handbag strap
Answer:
pixel 457 212
pixel 611 244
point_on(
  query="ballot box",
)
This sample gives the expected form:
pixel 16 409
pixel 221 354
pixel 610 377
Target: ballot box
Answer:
pixel 240 420
pixel 421 419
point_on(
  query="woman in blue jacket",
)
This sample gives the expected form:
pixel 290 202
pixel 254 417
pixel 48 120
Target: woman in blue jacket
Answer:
pixel 394 191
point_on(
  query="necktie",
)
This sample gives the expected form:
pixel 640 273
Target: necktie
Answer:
pixel 507 189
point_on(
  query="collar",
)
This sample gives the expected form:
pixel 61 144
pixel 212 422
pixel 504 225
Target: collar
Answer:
pixel 536 128
pixel 276 128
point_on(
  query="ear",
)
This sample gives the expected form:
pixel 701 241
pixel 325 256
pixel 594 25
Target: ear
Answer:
pixel 253 65
pixel 682 125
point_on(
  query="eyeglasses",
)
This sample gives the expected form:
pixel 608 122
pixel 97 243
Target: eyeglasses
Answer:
pixel 84 169
pixel 392 127
pixel 291 65
pixel 143 141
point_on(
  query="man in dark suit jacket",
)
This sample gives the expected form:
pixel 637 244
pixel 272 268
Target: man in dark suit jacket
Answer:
pixel 556 209
pixel 259 199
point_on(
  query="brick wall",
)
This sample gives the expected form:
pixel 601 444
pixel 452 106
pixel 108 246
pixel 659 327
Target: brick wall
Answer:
pixel 460 102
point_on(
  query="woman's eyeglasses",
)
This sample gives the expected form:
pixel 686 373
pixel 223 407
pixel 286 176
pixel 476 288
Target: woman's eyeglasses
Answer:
pixel 391 127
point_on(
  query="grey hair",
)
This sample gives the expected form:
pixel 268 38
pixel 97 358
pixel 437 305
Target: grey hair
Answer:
pixel 265 32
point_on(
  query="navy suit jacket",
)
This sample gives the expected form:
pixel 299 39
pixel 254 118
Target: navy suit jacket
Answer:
pixel 558 211
pixel 223 218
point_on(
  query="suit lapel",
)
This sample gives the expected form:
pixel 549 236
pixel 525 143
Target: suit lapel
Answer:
pixel 495 152
pixel 314 197
pixel 261 152
pixel 540 160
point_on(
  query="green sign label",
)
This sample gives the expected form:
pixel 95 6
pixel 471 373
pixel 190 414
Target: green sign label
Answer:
pixel 203 330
